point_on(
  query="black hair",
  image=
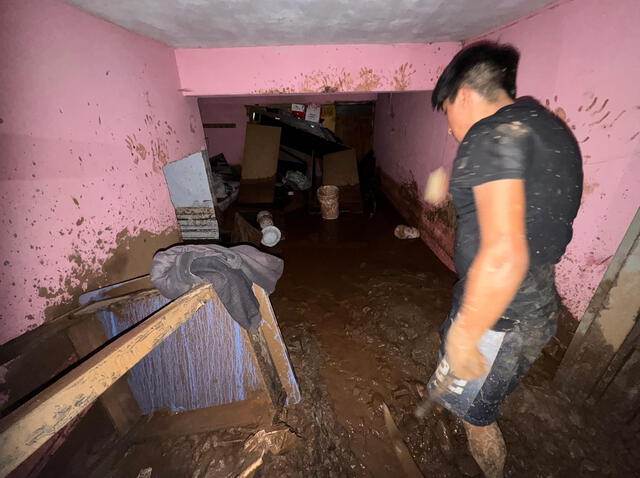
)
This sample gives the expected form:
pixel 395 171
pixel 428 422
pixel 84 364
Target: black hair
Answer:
pixel 485 67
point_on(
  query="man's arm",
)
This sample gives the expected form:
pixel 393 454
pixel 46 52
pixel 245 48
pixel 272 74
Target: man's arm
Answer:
pixel 495 275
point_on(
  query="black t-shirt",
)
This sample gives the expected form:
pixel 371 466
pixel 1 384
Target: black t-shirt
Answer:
pixel 520 141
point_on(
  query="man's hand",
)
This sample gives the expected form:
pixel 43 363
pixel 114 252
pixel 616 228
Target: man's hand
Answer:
pixel 436 190
pixel 462 353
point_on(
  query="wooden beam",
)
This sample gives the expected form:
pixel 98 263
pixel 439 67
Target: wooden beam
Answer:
pixel 27 428
pixel 609 319
pixel 277 349
pixel 246 413
pixel 88 336
pixel 265 369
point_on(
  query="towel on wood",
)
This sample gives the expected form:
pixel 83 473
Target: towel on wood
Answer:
pixel 231 271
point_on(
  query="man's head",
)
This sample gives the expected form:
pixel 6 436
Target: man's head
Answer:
pixel 480 79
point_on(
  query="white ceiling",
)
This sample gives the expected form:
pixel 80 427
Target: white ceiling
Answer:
pixel 232 23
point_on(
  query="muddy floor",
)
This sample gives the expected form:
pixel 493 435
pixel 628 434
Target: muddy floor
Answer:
pixel 359 311
pixel 374 304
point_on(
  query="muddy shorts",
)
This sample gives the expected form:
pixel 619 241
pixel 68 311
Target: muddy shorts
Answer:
pixel 509 354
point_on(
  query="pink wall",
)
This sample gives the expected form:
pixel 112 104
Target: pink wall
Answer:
pixel 582 58
pixel 410 142
pixel 90 113
pixel 229 141
pixel 311 68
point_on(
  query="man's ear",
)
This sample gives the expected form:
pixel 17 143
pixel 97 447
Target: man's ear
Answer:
pixel 464 95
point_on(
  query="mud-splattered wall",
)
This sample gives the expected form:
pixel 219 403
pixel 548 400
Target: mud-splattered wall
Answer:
pixel 89 115
pixel 311 68
pixel 410 142
pixel 580 58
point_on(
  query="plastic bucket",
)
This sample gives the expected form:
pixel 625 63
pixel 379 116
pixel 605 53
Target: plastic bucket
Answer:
pixel 329 201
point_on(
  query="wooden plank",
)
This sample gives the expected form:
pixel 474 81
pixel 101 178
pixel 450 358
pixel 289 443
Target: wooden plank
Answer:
pixel 340 169
pixel 261 150
pixel 27 428
pixel 275 344
pixel 600 295
pixel 244 232
pixel 35 366
pixel 354 125
pixel 621 400
pixel 608 321
pixel 123 410
pixel 257 191
pixel 251 412
pixel 618 362
pixel 265 369
pixel 116 290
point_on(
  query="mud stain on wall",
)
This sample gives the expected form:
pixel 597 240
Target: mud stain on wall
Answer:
pixel 402 77
pixel 588 188
pixel 159 133
pixel 339 80
pixel 159 154
pixel 369 80
pixel 137 149
pixel 559 111
pixel 129 257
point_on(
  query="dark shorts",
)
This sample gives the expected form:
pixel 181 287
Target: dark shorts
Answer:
pixel 509 353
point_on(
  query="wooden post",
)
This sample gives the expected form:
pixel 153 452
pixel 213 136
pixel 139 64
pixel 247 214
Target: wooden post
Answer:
pixel 27 428
pixel 277 349
pixel 608 321
pixel 88 336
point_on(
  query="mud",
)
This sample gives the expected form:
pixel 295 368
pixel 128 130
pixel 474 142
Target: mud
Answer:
pixel 359 311
pixel 129 257
pixel 374 305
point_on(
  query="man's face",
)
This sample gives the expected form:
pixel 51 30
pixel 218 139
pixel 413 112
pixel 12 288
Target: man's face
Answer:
pixel 459 116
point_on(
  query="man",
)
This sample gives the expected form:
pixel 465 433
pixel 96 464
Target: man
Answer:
pixel 516 185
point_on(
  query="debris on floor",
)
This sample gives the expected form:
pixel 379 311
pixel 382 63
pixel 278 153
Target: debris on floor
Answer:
pixel 406 232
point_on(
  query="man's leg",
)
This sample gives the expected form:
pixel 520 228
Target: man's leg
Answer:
pixel 487 447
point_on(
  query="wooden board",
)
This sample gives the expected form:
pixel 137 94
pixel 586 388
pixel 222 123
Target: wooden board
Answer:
pixel 251 412
pixel 86 337
pixel 340 169
pixel 261 149
pixel 607 323
pixel 354 125
pixel 277 349
pixel 265 368
pixel 27 428
pixel 243 232
pixel 257 191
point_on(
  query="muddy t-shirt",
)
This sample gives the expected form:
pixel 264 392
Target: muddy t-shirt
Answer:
pixel 520 141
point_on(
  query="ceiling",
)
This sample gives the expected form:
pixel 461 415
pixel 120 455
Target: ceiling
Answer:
pixel 233 23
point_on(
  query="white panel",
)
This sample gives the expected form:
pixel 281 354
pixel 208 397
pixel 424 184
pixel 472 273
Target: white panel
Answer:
pixel 188 182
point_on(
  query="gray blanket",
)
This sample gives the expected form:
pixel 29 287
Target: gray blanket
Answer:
pixel 231 271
